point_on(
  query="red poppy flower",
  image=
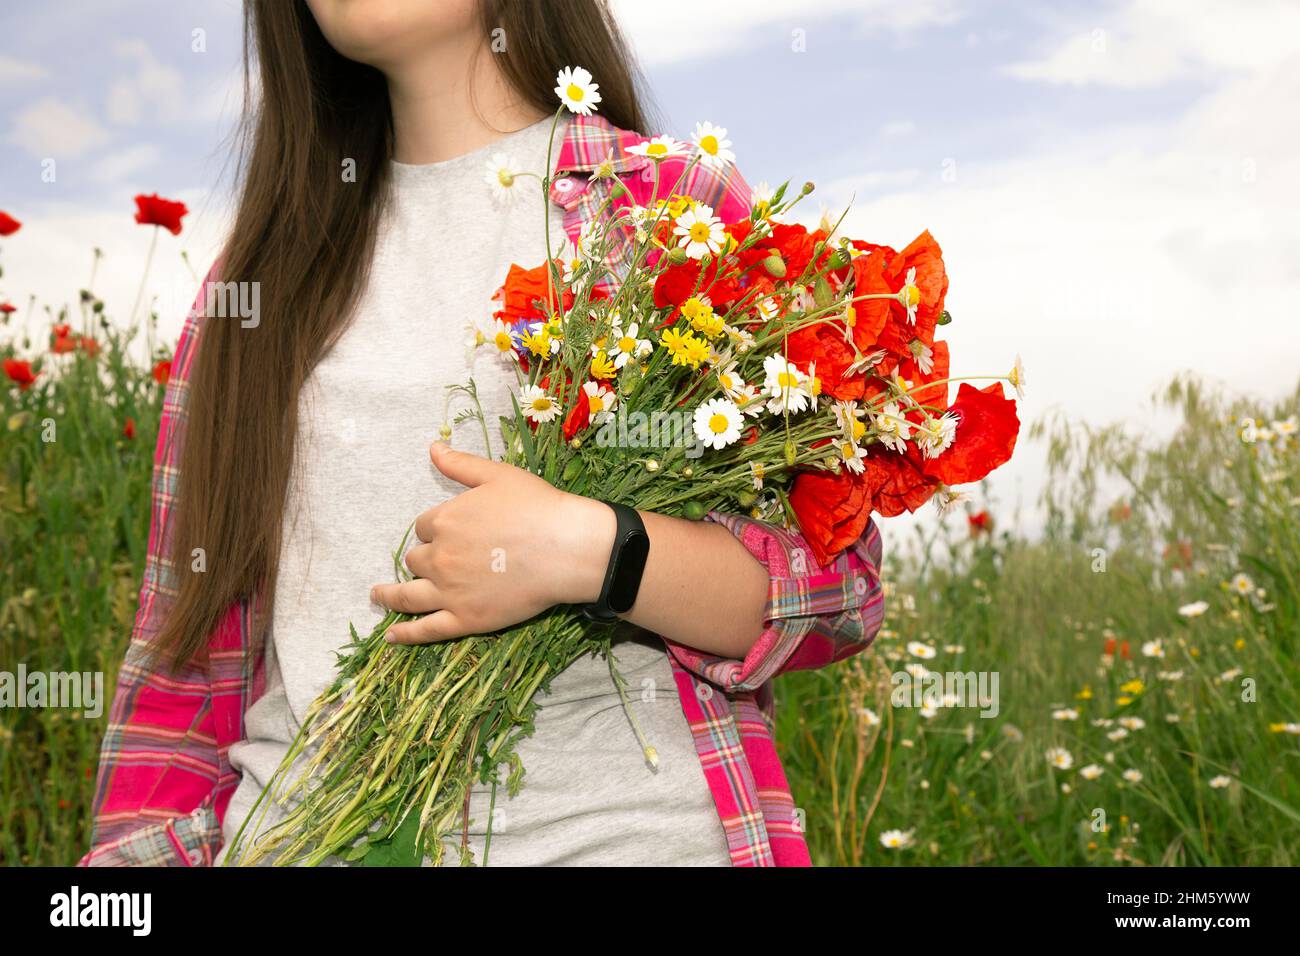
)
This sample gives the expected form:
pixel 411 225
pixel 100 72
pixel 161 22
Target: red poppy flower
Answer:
pixel 823 345
pixel 8 224
pixel 88 345
pixel 523 295
pixel 884 322
pixel 980 523
pixel 20 373
pixel 156 211
pixel 1179 557
pixel 8 308
pixel 128 430
pixel 676 284
pixel 162 372
pixel 987 426
pixel 579 416
pixel 1111 645
pixel 63 343
pixel 832 508
pixel 897 483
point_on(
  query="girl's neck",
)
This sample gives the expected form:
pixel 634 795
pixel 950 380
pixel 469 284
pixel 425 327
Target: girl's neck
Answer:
pixel 452 101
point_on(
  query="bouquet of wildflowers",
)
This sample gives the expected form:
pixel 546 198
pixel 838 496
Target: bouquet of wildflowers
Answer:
pixel 754 366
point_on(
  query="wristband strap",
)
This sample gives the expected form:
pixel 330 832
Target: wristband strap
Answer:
pixel 626 563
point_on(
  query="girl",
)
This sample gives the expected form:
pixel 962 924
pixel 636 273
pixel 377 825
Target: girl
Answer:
pixel 295 449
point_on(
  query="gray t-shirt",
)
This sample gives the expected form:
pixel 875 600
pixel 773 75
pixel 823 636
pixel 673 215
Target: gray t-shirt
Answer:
pixel 362 473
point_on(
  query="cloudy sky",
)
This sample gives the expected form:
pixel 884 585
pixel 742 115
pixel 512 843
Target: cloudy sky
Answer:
pixel 1115 183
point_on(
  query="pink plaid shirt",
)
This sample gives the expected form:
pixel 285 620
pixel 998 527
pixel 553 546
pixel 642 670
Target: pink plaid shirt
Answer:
pixel 165 779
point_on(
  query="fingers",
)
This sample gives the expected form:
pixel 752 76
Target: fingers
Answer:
pixel 419 596
pixel 438 626
pixel 469 470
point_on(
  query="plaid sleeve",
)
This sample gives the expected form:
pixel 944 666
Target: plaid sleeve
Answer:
pixel 815 615
pixel 161 768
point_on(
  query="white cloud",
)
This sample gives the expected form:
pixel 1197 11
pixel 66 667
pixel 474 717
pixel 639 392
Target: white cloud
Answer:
pixel 12 70
pixel 1145 43
pixel 153 87
pixel 50 127
pixel 897 129
pixel 671 31
pixel 118 165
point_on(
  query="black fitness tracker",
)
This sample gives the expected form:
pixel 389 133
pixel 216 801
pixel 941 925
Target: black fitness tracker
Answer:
pixel 626 563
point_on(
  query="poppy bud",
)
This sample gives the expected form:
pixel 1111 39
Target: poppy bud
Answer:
pixel 808 187
pixel 838 260
pixel 822 294
pixel 791 452
pixel 693 510
pixel 944 319
pixel 652 465
pixel 746 499
pixel 676 256
pixel 775 266
pixel 571 470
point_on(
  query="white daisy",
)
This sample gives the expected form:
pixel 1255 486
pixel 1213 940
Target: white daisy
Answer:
pixel 1017 377
pixel 1153 649
pixel 910 295
pixel 1195 609
pixel 1242 584
pixel 758 472
pixel 896 839
pixel 937 434
pixel 1219 782
pixel 701 232
pixel 501 176
pixel 626 346
pixel 713 144
pixel 601 401
pixel 923 651
pixel 1091 772
pixel 658 148
pixel 718 422
pixel 786 386
pixel 894 430
pixel 503 340
pixel 1065 713
pixel 1132 723
pixel 575 89
pixel 536 405
pixel 1132 775
pixel 852 454
pixel 1060 758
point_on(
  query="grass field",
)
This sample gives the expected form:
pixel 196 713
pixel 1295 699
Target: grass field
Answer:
pixel 1192 718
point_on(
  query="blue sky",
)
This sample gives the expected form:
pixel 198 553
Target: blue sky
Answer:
pixel 1116 183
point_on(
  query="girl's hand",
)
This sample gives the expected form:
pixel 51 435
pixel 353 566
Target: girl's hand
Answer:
pixel 509 547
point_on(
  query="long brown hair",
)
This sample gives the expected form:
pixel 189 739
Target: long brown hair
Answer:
pixel 305 234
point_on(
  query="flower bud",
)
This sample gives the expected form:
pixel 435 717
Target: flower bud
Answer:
pixel 822 294
pixel 775 266
pixel 808 187
pixel 676 256
pixel 791 452
pixel 652 465
pixel 694 510
pixel 571 470
pixel 746 499
pixel 838 260
pixel 944 319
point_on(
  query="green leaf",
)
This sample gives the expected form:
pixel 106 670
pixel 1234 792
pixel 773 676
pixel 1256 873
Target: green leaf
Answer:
pixel 401 849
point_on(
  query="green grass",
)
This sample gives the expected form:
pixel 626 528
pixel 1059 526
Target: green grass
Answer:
pixel 74 516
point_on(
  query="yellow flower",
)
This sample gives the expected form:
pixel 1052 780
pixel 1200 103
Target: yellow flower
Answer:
pixel 1085 694
pixel 601 366
pixel 1134 686
pixel 538 342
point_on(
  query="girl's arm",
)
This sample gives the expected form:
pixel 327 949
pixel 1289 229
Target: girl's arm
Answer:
pixel 512 545
pixel 163 777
